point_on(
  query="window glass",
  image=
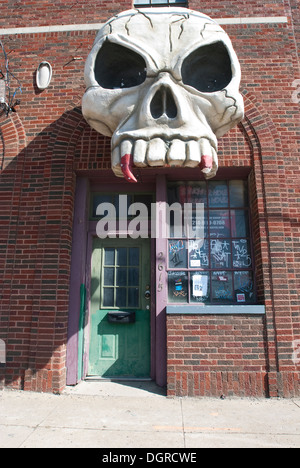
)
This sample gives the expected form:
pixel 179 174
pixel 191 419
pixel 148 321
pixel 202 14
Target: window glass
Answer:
pixel 108 297
pixel 219 223
pixel 243 286
pixel 222 287
pixel 217 194
pixel 121 256
pixel 178 286
pixel 199 253
pixel 241 253
pixel 239 223
pixel 121 277
pixel 134 256
pixel 98 199
pixel 133 276
pixel 109 276
pixel 109 256
pixel 238 193
pixel 220 253
pixel 214 266
pixel 121 297
pixel 197 193
pixel 177 253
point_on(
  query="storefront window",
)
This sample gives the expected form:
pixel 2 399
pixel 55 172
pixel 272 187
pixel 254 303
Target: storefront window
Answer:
pixel 218 267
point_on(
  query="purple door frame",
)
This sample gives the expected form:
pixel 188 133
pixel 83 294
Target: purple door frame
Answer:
pixel 161 284
pixel 78 262
pixel 83 234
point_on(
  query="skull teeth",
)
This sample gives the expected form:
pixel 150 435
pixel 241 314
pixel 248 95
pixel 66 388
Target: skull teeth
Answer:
pixel 157 152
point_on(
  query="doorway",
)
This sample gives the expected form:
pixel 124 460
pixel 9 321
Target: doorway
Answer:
pixel 120 338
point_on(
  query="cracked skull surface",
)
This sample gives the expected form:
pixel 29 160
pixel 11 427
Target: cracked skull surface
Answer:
pixel 163 83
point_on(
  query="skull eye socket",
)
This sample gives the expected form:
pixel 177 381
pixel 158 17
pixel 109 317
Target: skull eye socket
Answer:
pixel 119 67
pixel 207 69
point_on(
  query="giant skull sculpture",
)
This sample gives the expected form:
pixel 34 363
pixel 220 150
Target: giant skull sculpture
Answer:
pixel 164 84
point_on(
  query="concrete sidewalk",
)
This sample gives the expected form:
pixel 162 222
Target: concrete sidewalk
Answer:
pixel 138 415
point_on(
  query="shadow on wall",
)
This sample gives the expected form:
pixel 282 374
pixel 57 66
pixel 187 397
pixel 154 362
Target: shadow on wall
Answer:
pixel 37 186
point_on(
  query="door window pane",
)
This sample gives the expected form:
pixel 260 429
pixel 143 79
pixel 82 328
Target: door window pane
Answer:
pixel 121 277
pixel 133 276
pixel 109 274
pixel 122 256
pixel 121 297
pixel 109 256
pixel 108 297
pixel 134 256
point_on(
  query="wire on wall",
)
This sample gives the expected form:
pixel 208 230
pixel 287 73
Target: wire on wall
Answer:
pixel 8 88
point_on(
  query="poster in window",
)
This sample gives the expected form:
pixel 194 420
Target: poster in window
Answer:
pixel 199 286
pixel 178 286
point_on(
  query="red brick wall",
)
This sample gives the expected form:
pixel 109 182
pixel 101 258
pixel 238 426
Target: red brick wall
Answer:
pixel 214 356
pixel 19 13
pixel 47 142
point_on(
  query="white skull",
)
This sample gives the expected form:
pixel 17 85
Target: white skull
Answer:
pixel 164 84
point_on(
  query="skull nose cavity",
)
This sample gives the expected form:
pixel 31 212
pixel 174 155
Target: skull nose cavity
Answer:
pixel 163 103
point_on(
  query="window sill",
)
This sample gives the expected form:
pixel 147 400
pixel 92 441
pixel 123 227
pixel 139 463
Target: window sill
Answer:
pixel 216 309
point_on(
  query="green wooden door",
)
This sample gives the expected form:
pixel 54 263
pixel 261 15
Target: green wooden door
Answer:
pixel 120 313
